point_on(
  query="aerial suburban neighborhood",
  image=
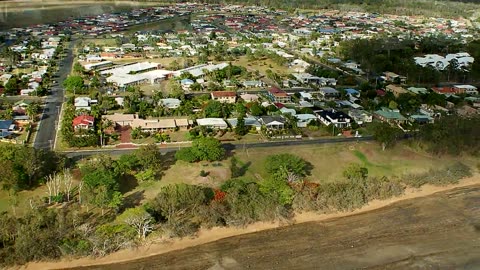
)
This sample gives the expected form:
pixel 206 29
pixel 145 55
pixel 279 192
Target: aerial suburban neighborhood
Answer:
pixel 222 65
pixel 139 123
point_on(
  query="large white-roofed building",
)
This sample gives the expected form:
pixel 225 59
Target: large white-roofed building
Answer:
pixel 136 74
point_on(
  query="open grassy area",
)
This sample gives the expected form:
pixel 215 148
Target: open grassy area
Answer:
pixel 261 65
pixel 109 42
pixel 328 160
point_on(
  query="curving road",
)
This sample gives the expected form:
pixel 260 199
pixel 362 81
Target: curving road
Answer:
pixel 47 129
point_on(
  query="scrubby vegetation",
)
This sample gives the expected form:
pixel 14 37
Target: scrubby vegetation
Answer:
pixel 97 219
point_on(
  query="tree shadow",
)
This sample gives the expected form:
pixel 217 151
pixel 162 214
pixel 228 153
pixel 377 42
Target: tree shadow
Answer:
pixel 238 168
pixel 308 168
pixel 168 160
pixel 127 183
pixel 133 200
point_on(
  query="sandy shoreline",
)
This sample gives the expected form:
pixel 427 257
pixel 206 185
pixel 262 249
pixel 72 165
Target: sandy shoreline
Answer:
pixel 214 234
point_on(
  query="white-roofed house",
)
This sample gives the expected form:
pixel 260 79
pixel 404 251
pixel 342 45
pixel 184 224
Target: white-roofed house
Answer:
pixel 170 103
pixel 214 123
pixel 304 119
pixel 467 89
pixel 249 122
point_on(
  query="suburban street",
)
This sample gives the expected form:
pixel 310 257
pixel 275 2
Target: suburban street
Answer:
pixel 228 146
pixel 47 128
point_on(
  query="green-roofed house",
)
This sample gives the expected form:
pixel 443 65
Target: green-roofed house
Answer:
pixel 418 90
pixel 390 116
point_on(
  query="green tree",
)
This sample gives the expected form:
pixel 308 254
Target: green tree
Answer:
pixel 73 83
pixel 78 68
pixel 386 134
pixel 32 110
pixel 278 189
pixel 181 205
pixel 256 109
pixel 355 172
pixel 241 129
pixel 207 148
pixel 186 154
pixel 12 86
pixel 287 163
pixel 149 157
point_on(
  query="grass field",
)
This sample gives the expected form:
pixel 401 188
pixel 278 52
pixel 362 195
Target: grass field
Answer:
pixel 261 66
pixel 329 162
pixel 109 42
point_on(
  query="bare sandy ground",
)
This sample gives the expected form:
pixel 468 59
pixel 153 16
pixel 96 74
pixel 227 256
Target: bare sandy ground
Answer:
pixel 160 246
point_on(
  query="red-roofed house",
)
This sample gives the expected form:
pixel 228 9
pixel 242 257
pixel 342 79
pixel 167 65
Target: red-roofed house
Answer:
pixel 83 122
pixel 224 96
pixel 445 90
pixel 278 95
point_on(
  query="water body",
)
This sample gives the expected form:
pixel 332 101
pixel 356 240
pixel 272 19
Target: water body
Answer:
pixel 40 14
pixel 441 231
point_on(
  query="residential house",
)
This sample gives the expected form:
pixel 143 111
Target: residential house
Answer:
pixel 7 126
pixel 183 123
pixel 83 122
pixel 304 119
pixel 170 103
pixel 286 110
pixel 21 105
pixel 467 89
pixel 278 95
pixel 334 117
pixel 214 123
pixel 390 116
pixel 328 92
pixel 250 122
pixel 84 103
pixel 307 78
pixel 418 90
pixel 446 90
pixel 154 125
pixel 253 84
pixel 421 119
pixel 97 66
pixel 186 84
pixel 224 96
pixel 121 119
pixel 352 92
pixel 396 89
pixel 306 96
pixel 466 111
pixel 299 65
pixel 249 97
pixel 273 122
pixel 360 116
pixel 395 78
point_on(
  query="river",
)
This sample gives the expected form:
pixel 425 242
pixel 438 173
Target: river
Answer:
pixel 22 15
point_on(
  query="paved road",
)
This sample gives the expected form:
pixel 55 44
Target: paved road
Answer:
pixel 228 146
pixel 46 134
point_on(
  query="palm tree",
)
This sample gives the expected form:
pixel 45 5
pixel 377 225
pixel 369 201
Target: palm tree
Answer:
pixel 32 110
